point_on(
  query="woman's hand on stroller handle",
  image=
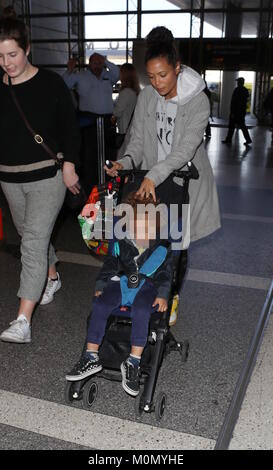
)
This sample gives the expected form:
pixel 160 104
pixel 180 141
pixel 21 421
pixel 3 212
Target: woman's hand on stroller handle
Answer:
pixel 112 168
pixel 147 188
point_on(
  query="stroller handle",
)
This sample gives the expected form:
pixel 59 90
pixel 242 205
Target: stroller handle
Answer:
pixel 190 173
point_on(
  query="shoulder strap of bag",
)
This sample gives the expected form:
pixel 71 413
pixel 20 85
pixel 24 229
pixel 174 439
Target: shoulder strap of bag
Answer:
pixel 131 118
pixel 38 138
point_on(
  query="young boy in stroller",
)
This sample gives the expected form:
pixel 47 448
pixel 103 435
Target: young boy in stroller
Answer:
pixel 137 274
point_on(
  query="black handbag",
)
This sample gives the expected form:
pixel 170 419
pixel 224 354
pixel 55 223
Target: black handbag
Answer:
pixel 76 201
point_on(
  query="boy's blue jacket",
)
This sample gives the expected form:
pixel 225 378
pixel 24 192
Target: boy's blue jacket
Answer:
pixel 114 266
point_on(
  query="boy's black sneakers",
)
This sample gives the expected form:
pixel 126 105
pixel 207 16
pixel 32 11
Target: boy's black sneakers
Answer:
pixel 130 377
pixel 86 366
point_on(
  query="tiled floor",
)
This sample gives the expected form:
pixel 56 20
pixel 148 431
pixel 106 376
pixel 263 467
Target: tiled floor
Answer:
pixel 218 317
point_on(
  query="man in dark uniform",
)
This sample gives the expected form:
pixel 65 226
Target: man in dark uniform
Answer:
pixel 237 112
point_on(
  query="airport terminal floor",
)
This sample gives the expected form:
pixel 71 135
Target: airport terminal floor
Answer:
pixel 223 295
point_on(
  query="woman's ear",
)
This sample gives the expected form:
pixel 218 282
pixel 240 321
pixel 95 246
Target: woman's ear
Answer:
pixel 28 50
pixel 178 67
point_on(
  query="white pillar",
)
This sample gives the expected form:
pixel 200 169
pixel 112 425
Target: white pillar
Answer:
pixel 227 87
pixel 233 29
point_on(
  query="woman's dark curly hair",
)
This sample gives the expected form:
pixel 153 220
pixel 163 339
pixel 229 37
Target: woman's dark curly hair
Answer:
pixel 160 43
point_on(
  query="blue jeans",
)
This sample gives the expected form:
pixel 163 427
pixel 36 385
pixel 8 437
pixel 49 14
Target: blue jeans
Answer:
pixel 140 313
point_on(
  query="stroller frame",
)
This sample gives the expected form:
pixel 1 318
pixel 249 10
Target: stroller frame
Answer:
pixel 160 341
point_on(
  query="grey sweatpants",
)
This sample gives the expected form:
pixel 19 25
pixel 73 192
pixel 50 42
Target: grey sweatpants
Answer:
pixel 34 208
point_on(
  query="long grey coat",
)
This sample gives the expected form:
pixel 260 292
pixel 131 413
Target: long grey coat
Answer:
pixel 191 120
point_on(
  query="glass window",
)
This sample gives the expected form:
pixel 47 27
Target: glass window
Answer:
pixel 161 5
pixel 105 5
pixel 49 28
pixel 213 25
pixel 196 4
pixel 97 26
pixel 74 47
pixel 214 4
pixel 132 5
pixel 115 51
pixel 250 24
pixel 49 53
pixel 251 4
pixel 195 25
pixel 178 23
pixel 132 26
pixel 47 7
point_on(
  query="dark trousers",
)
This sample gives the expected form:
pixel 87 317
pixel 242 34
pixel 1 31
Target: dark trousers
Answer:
pixel 110 299
pixel 238 121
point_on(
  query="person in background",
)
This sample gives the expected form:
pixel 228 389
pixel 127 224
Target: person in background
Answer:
pixel 167 131
pixel 124 105
pixel 238 112
pixel 94 87
pixel 31 182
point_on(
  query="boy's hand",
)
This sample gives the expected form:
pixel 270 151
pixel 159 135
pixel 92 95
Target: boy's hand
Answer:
pixel 98 293
pixel 162 304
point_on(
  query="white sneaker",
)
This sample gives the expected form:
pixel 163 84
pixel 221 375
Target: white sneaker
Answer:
pixel 18 332
pixel 51 287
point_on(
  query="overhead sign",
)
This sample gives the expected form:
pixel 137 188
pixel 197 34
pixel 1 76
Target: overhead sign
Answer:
pixel 227 54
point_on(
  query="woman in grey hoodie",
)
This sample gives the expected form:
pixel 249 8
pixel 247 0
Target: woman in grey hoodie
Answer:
pixel 170 118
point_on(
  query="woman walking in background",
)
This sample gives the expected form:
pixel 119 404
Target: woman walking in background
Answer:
pixel 124 105
pixel 33 184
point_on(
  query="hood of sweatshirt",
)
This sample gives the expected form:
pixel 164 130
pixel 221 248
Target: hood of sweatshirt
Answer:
pixel 189 84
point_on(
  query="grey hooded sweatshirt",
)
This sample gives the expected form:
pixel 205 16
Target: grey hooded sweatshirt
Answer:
pixel 191 120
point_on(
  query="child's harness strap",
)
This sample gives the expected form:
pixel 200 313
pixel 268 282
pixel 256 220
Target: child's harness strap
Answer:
pixel 149 267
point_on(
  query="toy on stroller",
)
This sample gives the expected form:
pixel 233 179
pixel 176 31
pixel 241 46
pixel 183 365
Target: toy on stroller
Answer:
pixel 115 346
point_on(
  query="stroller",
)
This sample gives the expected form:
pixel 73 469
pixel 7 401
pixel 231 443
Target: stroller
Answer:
pixel 116 343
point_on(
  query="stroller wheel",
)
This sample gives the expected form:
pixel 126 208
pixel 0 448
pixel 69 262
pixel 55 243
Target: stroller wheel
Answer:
pixel 89 394
pixel 70 393
pixel 160 405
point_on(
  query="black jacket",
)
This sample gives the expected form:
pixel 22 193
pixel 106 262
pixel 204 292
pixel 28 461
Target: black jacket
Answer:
pixel 239 102
pixel 113 266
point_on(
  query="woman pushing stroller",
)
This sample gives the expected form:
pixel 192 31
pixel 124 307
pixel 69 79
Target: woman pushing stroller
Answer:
pixel 167 131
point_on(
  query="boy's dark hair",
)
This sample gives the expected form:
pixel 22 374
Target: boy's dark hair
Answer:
pixel 13 28
pixel 160 43
pixel 136 201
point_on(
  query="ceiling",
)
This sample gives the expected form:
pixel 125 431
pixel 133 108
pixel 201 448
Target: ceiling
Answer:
pixel 250 20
